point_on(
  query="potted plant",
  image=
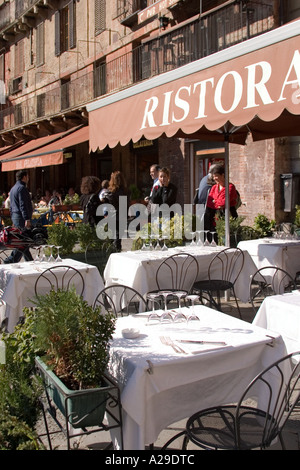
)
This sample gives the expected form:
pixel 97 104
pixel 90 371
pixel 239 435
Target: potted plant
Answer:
pixel 61 235
pixel 74 339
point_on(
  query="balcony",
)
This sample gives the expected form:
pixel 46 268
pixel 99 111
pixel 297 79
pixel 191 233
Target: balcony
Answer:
pixel 214 31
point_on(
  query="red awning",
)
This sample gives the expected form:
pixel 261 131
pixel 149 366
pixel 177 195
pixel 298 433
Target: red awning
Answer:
pixel 47 154
pixel 251 87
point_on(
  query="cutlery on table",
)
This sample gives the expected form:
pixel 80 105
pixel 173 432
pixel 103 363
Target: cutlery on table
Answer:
pixel 168 342
pixel 200 342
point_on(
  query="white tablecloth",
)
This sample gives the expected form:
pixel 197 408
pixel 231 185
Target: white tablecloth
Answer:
pixel 159 387
pixel 281 314
pixel 284 254
pixel 137 269
pixel 17 280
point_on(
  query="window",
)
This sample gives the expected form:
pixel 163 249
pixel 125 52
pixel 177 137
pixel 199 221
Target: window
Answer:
pixel 19 59
pixel 65 29
pixel 2 80
pixel 40 45
pixel 100 16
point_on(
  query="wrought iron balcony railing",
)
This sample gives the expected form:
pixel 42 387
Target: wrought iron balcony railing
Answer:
pixel 212 32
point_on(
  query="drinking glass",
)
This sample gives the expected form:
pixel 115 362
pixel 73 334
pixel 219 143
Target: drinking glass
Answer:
pixel 58 258
pixel 213 241
pixel 51 258
pixel 166 317
pixel 180 317
pixel 199 241
pixel 42 254
pixel 37 254
pixel 193 317
pixel 164 247
pixel 153 317
pixel 158 246
pixel 206 242
pixel 193 243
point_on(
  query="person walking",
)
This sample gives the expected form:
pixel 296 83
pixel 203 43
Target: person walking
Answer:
pixel 21 212
pixel 117 187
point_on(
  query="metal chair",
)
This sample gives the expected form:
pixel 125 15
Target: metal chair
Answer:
pixel 223 272
pixel 267 281
pixel 256 420
pixel 59 277
pixel 176 273
pixel 121 300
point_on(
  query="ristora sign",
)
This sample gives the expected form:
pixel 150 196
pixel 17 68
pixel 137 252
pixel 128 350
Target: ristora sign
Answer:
pixel 257 91
pixel 255 86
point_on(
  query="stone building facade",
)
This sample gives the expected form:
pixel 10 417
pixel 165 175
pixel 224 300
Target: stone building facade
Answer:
pixel 56 56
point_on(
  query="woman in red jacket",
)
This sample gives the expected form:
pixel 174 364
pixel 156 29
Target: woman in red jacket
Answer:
pixel 216 198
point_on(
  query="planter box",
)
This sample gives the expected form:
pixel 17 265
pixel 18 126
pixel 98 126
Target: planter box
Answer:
pixel 81 408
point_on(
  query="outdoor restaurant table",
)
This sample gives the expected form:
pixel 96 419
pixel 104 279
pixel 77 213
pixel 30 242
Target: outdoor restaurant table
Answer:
pixel 137 269
pixel 17 281
pixel 160 387
pixel 284 253
pixel 281 314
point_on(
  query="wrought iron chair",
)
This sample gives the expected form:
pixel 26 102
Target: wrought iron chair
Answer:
pixel 176 273
pixel 121 300
pixel 256 420
pixel 59 277
pixel 267 281
pixel 223 272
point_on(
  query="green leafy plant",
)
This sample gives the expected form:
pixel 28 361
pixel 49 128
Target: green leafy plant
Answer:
pixel 135 193
pixel 263 225
pixel 19 391
pixel 297 216
pixel 61 235
pixel 75 337
pixel 87 237
pixel 71 200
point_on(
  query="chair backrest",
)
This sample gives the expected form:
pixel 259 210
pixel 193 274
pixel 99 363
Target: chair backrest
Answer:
pixel 177 272
pixel 273 393
pixel 269 280
pixel 121 300
pixel 226 265
pixel 59 277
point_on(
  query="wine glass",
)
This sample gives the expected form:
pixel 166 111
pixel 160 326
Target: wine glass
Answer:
pixel 42 254
pixel 213 241
pixel 58 258
pixel 144 248
pixel 153 317
pixel 180 317
pixel 164 247
pixel 51 258
pixel 199 241
pixel 193 317
pixel 193 243
pixel 37 254
pixel 206 242
pixel 158 246
pixel 166 317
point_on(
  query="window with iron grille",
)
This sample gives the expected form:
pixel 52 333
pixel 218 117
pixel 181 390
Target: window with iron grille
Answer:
pixel 40 45
pixel 100 16
pixel 65 28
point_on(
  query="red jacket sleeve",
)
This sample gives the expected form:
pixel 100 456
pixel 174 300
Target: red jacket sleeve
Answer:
pixel 216 199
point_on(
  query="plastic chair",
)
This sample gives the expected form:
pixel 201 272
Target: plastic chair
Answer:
pixel 267 281
pixel 256 420
pixel 59 277
pixel 223 272
pixel 121 300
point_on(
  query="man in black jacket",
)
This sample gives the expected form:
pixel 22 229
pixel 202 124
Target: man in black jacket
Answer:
pixel 21 212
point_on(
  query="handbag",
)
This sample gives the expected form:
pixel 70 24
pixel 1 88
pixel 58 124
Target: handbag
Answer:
pixel 196 197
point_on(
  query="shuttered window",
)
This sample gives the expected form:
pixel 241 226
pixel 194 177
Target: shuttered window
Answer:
pixel 100 16
pixel 40 45
pixel 65 28
pixel 19 58
pixel 2 81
